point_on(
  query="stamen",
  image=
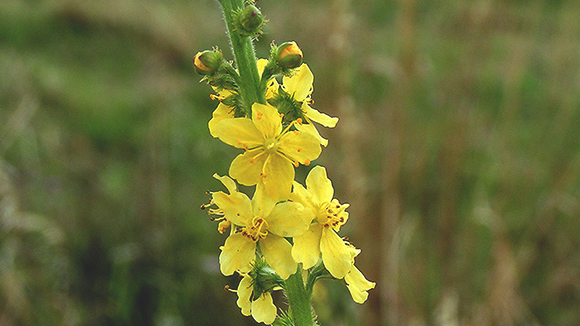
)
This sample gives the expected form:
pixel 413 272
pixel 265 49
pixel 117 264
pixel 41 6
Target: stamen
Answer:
pixel 296 164
pixel 299 120
pixel 307 162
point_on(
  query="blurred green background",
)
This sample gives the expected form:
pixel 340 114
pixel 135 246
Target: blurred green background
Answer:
pixel 458 149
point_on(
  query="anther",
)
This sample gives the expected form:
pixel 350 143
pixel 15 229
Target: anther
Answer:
pixel 262 174
pixel 307 162
pixel 211 218
pixel 251 160
pixel 202 207
pixel 299 120
pixel 299 149
pixel 296 163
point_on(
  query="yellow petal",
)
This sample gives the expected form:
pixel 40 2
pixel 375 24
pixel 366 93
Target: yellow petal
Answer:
pixel 262 204
pixel 358 285
pixel 237 254
pixel 289 219
pixel 238 132
pixel 247 167
pixel 319 117
pixel 335 254
pixel 277 252
pixel 306 248
pixel 237 207
pixel 300 146
pixel 261 63
pixel 267 119
pixel 244 295
pixel 228 182
pixel 311 129
pixel 272 89
pixel 301 195
pixel 278 176
pixel 264 310
pixel 299 84
pixel 219 114
pixel 319 185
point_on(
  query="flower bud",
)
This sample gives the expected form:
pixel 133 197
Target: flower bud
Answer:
pixel 251 20
pixel 289 55
pixel 207 62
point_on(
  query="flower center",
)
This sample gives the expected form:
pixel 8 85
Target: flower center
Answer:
pixel 271 145
pixel 333 214
pixel 258 230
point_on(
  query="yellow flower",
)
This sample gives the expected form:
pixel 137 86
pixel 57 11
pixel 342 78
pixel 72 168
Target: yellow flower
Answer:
pixel 262 308
pixel 299 87
pixel 270 152
pixel 322 238
pixel 227 203
pixel 357 284
pixel 262 222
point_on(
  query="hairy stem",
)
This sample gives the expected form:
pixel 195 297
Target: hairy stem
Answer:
pixel 245 57
pixel 299 300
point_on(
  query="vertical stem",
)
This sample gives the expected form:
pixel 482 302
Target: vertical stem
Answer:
pixel 299 300
pixel 245 57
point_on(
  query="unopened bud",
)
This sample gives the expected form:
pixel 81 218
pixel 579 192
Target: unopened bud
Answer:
pixel 207 62
pixel 251 20
pixel 289 55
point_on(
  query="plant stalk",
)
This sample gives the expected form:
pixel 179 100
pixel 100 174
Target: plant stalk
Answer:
pixel 245 57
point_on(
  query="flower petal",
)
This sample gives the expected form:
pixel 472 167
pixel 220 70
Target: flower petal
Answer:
pixel 277 252
pixel 219 114
pixel 319 117
pixel 244 294
pixel 319 185
pixel 261 63
pixel 303 196
pixel 335 254
pixel 300 146
pixel 264 310
pixel 311 129
pixel 358 285
pixel 237 254
pixel 278 177
pixel 262 204
pixel 238 132
pixel 228 182
pixel 237 207
pixel 306 248
pixel 267 120
pixel 299 84
pixel 247 167
pixel 289 219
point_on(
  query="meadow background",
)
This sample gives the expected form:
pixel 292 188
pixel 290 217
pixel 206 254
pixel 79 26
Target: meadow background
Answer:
pixel 458 149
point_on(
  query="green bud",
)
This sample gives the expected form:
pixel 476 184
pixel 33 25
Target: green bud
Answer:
pixel 289 55
pixel 251 20
pixel 207 62
pixel 264 278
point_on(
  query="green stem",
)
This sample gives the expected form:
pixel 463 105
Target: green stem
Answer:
pixel 299 300
pixel 245 57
